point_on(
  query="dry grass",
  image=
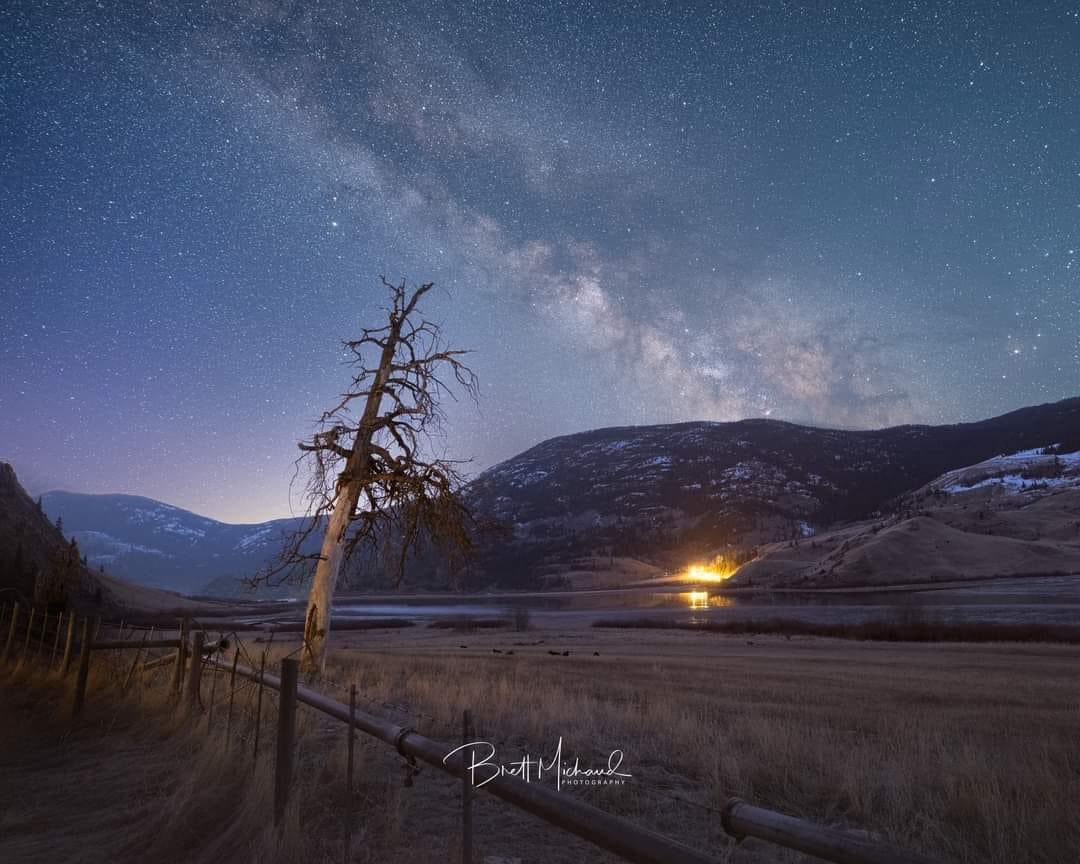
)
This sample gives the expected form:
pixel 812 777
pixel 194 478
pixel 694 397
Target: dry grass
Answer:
pixel 897 630
pixel 139 779
pixel 968 752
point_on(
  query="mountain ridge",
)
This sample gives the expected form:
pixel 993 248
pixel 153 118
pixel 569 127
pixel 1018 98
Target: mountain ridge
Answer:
pixel 162 545
pixel 40 566
pixel 1013 515
pixel 664 494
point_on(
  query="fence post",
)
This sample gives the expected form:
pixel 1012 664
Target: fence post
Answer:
pixel 84 670
pixel 232 695
pixel 194 695
pixel 349 787
pixel 290 674
pixel 178 669
pixel 29 632
pixel 41 636
pixel 11 629
pixel 213 685
pixel 138 657
pixel 466 793
pixel 258 711
pixel 56 639
pixel 69 645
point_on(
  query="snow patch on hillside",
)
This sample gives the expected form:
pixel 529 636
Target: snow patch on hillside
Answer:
pixel 174 527
pixel 1015 472
pixel 102 548
pixel 163 516
pixel 250 542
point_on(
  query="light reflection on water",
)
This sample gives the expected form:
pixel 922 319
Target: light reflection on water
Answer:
pixel 706 600
pixel 1042 599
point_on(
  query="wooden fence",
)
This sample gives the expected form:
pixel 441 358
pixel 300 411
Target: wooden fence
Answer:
pixel 615 834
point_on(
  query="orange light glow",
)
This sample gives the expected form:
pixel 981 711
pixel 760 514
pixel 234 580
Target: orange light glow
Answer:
pixel 717 571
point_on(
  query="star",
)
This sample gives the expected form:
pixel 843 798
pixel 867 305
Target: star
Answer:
pixel 631 217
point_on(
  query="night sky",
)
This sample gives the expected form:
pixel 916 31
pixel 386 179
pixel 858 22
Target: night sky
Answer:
pixel 856 215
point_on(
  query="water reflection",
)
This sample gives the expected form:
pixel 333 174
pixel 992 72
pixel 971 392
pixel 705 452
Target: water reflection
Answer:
pixel 1042 599
pixel 705 600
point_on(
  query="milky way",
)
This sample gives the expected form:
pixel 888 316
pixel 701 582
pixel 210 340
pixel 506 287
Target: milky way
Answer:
pixel 851 216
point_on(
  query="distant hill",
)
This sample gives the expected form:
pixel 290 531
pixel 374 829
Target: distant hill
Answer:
pixel 156 544
pixel 670 494
pixel 1011 515
pixel 606 505
pixel 31 547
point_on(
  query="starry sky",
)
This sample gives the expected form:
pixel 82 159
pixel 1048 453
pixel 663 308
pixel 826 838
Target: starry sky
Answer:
pixel 851 214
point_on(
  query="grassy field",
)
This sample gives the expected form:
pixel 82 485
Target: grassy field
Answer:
pixel 968 751
pixel 895 629
pixel 964 751
pixel 140 780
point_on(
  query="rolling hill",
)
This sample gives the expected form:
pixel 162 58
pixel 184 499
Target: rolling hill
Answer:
pixel 621 501
pixel 1010 515
pixel 31 547
pixel 672 494
pixel 153 543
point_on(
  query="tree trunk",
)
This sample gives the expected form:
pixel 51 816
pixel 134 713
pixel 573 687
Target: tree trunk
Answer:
pixel 321 596
pixel 351 483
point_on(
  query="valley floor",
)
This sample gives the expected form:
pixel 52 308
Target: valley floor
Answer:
pixel 127 784
pixel 963 751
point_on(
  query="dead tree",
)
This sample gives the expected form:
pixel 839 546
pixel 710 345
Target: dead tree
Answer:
pixel 369 478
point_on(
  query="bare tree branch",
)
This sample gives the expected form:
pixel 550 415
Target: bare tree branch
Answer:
pixel 367 481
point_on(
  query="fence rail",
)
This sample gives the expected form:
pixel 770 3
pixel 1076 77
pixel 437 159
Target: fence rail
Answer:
pixel 741 819
pixel 123 644
pixel 626 839
pixel 617 835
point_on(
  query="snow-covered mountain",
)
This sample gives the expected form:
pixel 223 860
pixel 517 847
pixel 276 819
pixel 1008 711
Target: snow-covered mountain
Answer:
pixel 152 543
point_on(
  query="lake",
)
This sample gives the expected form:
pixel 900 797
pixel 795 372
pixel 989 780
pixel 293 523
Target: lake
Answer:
pixel 1050 599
